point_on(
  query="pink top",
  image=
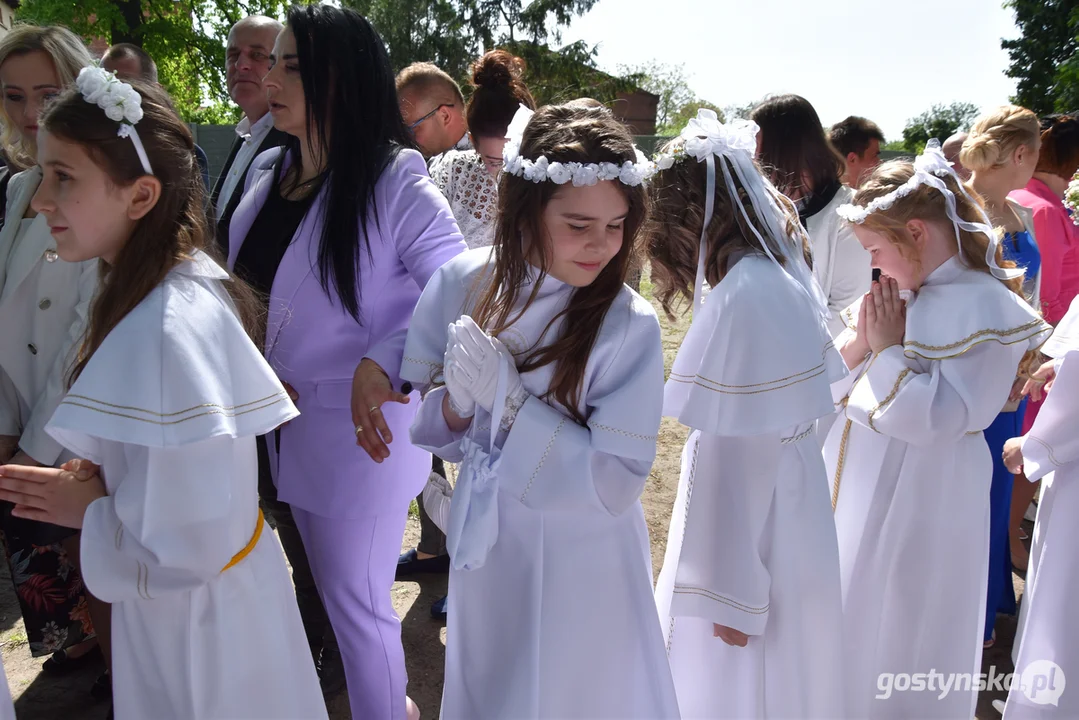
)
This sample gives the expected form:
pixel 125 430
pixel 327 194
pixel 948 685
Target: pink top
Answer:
pixel 1058 241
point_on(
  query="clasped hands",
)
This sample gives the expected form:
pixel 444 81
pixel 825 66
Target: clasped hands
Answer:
pixel 54 495
pixel 470 369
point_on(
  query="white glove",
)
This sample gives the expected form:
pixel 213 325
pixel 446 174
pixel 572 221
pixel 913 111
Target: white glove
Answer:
pixel 461 402
pixel 474 359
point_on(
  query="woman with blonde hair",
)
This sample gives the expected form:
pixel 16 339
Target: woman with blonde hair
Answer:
pixel 44 302
pixel 1001 151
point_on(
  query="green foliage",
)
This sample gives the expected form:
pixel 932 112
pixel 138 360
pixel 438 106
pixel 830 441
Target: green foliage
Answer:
pixel 186 38
pixel 452 33
pixel 1045 58
pixel 895 146
pixel 686 113
pixel 940 122
pixel 670 83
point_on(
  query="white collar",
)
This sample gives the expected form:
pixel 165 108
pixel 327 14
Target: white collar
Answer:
pixel 246 130
pixel 201 265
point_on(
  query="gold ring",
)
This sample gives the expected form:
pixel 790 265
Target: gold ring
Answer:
pixel 359 429
pixel 374 408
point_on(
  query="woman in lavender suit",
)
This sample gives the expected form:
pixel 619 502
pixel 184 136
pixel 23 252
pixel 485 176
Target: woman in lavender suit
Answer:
pixel 341 229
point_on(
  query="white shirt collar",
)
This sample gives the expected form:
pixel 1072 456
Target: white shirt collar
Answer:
pixel 247 131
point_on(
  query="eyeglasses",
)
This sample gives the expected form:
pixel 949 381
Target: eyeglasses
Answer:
pixel 413 126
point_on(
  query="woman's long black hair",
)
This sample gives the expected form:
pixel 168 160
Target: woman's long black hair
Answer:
pixel 351 104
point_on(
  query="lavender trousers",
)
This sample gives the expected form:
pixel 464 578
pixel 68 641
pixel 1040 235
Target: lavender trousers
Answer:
pixel 353 563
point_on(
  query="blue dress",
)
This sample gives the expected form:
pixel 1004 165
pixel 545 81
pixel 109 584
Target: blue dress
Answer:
pixel 1020 248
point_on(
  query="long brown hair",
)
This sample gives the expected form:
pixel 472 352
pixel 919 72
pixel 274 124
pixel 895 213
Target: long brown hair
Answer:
pixel 563 134
pixel 171 232
pixel 793 146
pixel 673 233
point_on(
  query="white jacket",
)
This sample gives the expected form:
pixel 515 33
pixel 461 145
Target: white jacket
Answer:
pixel 842 266
pixel 44 305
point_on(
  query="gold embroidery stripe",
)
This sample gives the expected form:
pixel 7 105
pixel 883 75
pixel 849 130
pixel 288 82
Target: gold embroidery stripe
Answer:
pixel 616 431
pixel 695 378
pixel 915 353
pixel 1048 449
pixel 801 436
pixel 999 333
pixel 215 411
pixel 885 401
pixel 748 609
pixel 820 371
pixel 839 463
pixel 543 459
pixel 678 377
pixel 215 406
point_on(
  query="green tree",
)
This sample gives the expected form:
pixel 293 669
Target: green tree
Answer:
pixel 940 122
pixel 671 84
pixel 895 146
pixel 686 113
pixel 1045 58
pixel 186 38
pixel 452 33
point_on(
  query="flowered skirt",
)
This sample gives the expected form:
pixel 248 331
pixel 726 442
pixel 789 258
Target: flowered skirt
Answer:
pixel 49 587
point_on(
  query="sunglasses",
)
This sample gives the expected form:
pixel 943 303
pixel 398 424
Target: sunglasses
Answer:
pixel 416 124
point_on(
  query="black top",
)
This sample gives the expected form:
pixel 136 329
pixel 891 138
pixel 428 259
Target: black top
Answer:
pixel 275 138
pixel 810 205
pixel 269 237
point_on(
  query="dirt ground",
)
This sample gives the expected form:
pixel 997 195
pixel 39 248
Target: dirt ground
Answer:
pixel 42 697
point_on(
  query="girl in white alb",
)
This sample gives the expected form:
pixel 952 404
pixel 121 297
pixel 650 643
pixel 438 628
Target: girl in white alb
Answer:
pixel 910 470
pixel 1046 655
pixel 166 395
pixel 749 592
pixel 550 606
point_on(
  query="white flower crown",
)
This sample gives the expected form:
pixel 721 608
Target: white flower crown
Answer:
pixel 540 169
pixel 121 103
pixel 929 169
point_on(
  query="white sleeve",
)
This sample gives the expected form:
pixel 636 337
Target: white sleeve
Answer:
pixel 722 576
pixel 549 462
pixel 852 274
pixel 1053 441
pixel 437 495
pixel 35 442
pixel 956 396
pixel 166 527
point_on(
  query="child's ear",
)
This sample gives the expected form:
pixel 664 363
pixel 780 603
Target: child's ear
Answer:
pixel 145 193
pixel 919 232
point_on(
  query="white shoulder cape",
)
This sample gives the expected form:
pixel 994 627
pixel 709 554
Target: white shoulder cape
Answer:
pixel 178 369
pixel 1066 336
pixel 959 308
pixel 757 360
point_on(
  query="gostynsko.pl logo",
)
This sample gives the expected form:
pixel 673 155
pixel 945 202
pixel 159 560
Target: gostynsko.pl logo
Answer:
pixel 1041 682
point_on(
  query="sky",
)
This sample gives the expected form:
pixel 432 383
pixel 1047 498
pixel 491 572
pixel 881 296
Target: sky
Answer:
pixel 887 61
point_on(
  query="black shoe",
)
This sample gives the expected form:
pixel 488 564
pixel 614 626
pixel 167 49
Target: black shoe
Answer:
pixel 409 564
pixel 102 687
pixel 331 673
pixel 61 664
pixel 439 608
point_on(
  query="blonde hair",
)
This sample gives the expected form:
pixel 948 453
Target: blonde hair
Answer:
pixel 68 54
pixel 929 205
pixel 428 79
pixel 996 135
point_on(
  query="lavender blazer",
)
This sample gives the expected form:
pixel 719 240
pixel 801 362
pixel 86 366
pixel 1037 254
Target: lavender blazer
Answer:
pixel 315 345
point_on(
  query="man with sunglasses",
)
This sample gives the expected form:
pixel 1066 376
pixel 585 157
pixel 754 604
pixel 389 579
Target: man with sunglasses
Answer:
pixel 433 108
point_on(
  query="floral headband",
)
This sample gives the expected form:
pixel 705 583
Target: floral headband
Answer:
pixel 704 139
pixel 540 169
pixel 929 168
pixel 121 103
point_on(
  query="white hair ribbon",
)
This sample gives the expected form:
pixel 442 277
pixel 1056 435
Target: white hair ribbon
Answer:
pixel 705 138
pixel 929 168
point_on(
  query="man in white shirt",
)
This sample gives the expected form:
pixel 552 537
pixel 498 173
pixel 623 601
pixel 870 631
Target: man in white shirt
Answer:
pixel 433 108
pixel 247 60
